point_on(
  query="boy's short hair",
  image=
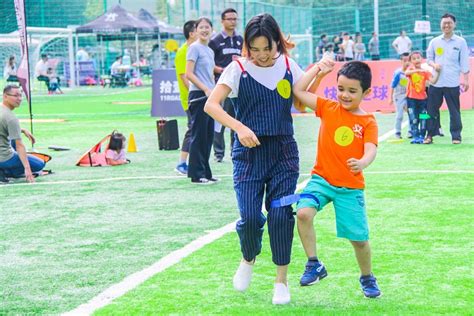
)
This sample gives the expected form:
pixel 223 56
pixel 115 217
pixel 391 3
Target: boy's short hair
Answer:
pixel 357 70
pixel 405 54
pixel 415 52
pixel 189 27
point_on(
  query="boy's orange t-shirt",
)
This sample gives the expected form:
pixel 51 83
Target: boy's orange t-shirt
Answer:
pixel 417 84
pixel 342 135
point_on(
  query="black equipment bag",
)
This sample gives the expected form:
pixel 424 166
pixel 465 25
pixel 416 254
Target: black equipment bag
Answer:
pixel 168 138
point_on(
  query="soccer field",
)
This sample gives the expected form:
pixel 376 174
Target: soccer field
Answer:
pixel 73 234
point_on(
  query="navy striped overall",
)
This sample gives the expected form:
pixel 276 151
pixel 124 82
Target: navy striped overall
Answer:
pixel 270 169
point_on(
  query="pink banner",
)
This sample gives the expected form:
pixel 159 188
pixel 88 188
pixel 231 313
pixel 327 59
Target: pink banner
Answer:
pixel 23 69
pixel 382 73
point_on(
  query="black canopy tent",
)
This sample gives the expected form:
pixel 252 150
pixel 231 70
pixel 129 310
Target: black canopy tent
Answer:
pixel 164 27
pixel 119 24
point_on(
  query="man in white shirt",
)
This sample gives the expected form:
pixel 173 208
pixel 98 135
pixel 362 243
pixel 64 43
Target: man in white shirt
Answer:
pixel 41 70
pixel 402 43
pixel 348 47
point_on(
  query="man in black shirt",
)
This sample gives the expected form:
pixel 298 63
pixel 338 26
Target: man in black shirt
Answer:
pixel 227 45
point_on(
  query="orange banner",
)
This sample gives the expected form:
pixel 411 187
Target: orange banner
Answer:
pixel 382 73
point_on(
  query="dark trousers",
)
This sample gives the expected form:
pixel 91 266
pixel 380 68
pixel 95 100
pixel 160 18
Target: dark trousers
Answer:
pixel 416 115
pixel 269 170
pixel 435 100
pixel 202 133
pixel 187 135
pixel 219 142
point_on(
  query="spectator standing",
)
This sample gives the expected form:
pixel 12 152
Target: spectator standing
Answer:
pixel 398 93
pixel 359 48
pixel 200 72
pixel 189 31
pixel 402 43
pixel 374 50
pixel 348 47
pixel 450 53
pixel 227 45
pixel 321 48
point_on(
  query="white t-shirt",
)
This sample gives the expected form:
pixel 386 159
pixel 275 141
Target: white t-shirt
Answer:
pixel 41 68
pixel 348 48
pixel 267 76
pixel 403 44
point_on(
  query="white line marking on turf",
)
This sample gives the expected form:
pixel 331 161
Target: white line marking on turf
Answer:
pixel 111 179
pixel 167 261
pixel 173 258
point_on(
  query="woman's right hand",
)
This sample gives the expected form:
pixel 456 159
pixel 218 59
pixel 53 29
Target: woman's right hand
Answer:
pixel 247 137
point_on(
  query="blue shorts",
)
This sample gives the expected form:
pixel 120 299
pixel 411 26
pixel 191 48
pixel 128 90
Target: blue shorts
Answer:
pixel 349 204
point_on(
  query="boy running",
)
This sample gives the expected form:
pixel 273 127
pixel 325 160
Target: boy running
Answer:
pixel 347 144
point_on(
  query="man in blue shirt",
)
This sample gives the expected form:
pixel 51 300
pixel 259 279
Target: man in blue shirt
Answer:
pixel 448 53
pixel 227 45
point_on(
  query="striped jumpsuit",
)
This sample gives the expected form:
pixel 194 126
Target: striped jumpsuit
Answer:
pixel 270 169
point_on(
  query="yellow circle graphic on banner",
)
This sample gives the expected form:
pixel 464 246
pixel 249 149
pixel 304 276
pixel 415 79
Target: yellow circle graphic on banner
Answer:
pixel 403 82
pixel 171 45
pixel 416 78
pixel 284 88
pixel 439 51
pixel 344 136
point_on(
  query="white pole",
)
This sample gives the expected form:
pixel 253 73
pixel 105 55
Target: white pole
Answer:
pixel 376 17
pixel 76 63
pixel 137 61
pixel 71 61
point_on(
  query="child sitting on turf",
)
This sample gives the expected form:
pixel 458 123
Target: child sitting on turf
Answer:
pixel 347 144
pixel 115 154
pixel 417 98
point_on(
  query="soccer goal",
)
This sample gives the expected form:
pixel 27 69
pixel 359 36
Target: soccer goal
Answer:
pixel 57 43
pixel 303 53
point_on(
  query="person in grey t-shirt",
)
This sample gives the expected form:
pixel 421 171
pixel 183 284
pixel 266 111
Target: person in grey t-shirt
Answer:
pixel 200 73
pixel 15 163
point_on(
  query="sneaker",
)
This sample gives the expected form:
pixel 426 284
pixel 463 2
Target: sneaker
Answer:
pixel 214 179
pixel 419 140
pixel 243 276
pixel 314 272
pixel 368 284
pixel 182 169
pixel 3 178
pixel 203 181
pixel 281 294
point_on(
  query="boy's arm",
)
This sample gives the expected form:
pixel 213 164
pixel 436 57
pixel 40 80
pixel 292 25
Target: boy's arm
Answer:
pixel 435 77
pixel 313 76
pixel 357 165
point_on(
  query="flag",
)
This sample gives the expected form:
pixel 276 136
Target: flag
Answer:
pixel 23 69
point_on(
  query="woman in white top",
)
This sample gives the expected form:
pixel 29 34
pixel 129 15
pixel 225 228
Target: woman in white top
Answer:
pixel 9 72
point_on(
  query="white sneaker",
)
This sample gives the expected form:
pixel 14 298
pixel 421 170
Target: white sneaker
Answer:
pixel 243 276
pixel 281 294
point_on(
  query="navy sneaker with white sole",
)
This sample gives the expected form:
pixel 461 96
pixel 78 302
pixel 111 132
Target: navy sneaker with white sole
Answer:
pixel 313 273
pixel 368 284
